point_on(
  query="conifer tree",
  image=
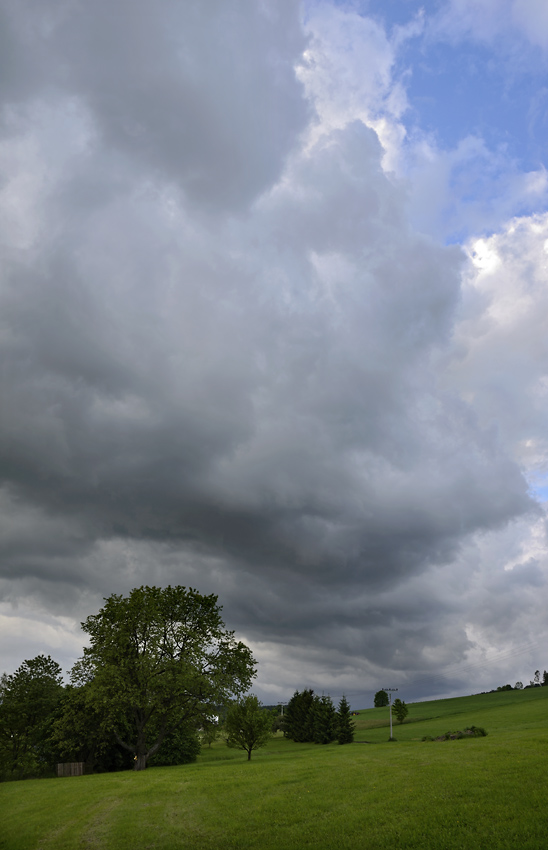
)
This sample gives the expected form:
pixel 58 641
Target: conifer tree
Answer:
pixel 298 716
pixel 346 726
pixel 324 720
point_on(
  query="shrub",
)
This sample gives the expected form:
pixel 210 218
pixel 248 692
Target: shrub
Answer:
pixel 476 731
pixel 469 732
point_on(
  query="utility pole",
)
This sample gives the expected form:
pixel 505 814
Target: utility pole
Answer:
pixel 390 691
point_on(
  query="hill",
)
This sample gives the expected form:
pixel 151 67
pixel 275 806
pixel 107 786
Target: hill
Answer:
pixel 474 793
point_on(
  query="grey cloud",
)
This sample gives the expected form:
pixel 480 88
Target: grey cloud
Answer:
pixel 207 98
pixel 253 401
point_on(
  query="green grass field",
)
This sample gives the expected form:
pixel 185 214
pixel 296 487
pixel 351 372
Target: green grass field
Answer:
pixel 475 793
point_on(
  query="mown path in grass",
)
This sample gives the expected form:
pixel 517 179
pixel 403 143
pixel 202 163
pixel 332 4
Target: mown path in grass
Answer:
pixel 476 793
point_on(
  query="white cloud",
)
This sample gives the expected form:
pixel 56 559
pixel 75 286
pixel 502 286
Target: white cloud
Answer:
pixel 487 20
pixel 501 361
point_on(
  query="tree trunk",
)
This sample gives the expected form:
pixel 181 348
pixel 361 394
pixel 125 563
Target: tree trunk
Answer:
pixel 140 762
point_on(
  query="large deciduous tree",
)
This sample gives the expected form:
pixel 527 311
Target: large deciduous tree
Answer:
pixel 157 660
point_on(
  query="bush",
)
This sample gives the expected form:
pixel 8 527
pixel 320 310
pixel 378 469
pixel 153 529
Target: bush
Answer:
pixel 469 732
pixel 180 746
pixel 476 731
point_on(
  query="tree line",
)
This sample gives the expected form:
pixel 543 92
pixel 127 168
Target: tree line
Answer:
pixel 535 682
pixel 159 664
pixel 310 718
pixel 160 672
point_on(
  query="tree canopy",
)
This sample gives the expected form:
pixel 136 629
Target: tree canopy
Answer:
pixel 381 699
pixel 248 725
pixel 345 724
pixel 400 710
pixel 28 700
pixel 157 659
pixel 311 718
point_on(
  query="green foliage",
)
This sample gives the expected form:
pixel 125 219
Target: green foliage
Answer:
pixel 159 659
pixel 298 716
pixel 180 746
pixel 458 735
pixel 381 699
pixel 323 720
pixel 310 718
pixel 209 733
pixel 476 731
pixel 400 710
pixel 278 724
pixel 248 726
pixel 29 699
pixel 81 733
pixel 345 724
pixel 487 793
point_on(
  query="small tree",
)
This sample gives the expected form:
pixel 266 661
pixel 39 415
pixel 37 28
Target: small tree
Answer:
pixel 518 686
pixel 209 734
pixel 248 726
pixel 381 699
pixel 345 724
pixel 536 681
pixel 400 710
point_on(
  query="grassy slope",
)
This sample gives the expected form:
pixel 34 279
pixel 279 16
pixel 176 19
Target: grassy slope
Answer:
pixel 478 793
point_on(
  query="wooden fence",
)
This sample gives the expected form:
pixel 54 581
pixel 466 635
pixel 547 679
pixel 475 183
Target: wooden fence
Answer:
pixel 70 768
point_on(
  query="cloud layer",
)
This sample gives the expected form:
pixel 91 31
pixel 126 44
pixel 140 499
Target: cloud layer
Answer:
pixel 231 359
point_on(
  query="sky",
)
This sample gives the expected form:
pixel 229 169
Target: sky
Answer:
pixel 274 325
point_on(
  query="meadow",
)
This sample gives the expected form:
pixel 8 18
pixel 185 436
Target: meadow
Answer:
pixel 487 792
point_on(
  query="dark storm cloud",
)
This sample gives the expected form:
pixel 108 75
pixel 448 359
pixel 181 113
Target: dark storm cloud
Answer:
pixel 223 348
